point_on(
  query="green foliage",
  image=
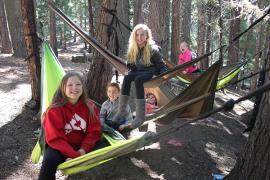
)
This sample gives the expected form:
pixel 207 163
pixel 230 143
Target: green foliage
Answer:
pixel 75 9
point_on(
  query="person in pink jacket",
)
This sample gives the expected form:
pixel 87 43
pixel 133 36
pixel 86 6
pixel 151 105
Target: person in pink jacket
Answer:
pixel 186 56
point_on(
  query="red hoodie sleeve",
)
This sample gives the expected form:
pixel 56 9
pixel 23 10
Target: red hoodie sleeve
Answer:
pixel 93 131
pixel 54 133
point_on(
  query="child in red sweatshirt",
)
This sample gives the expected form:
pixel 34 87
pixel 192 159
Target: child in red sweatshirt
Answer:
pixel 71 123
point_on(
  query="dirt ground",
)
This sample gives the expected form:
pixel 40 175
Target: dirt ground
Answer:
pixel 197 151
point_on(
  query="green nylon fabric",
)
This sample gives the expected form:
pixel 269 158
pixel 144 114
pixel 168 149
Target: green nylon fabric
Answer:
pixel 226 74
pixel 51 76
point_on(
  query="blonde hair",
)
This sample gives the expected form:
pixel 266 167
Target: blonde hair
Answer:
pixel 133 48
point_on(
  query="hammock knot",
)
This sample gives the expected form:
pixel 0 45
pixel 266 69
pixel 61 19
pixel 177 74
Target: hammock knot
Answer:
pixel 229 105
pixel 148 138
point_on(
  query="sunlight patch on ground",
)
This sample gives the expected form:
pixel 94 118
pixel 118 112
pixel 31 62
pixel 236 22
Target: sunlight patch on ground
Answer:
pixel 239 108
pixel 5 69
pixel 219 156
pixel 136 134
pixel 8 113
pixel 147 169
pixel 211 122
pixel 5 55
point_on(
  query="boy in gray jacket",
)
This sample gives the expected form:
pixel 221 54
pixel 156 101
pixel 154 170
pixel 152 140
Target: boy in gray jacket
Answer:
pixel 110 107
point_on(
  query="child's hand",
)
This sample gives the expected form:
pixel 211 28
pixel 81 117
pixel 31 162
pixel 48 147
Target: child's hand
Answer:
pixel 68 159
pixel 184 72
pixel 81 151
pixel 125 126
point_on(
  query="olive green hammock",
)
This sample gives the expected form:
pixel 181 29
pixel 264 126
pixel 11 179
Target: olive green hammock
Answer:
pixel 195 100
pixel 226 73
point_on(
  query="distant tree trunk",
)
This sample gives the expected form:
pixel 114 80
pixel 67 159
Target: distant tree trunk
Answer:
pixel 100 73
pixel 91 18
pixel 257 62
pixel 91 21
pixel 5 36
pixel 159 23
pixel 53 39
pixel 64 38
pixel 186 21
pixel 234 30
pixel 201 30
pixel 138 16
pixel 181 15
pixel 14 16
pixel 122 32
pixel 221 31
pixel 255 159
pixel 32 45
pixel 205 63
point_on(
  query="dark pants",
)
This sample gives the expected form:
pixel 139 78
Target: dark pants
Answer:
pixel 139 77
pixel 52 158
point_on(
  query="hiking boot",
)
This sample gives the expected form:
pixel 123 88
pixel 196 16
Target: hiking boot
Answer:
pixel 140 113
pixel 122 112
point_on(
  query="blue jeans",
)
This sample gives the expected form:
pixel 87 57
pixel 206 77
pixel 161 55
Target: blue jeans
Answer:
pixel 139 77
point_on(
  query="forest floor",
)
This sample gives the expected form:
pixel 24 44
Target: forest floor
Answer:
pixel 197 151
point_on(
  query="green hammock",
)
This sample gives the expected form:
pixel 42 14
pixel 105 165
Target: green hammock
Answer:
pixel 181 105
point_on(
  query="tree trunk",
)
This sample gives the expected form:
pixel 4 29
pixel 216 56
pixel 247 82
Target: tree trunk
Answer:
pixel 201 30
pixel 234 30
pixel 123 33
pixel 181 14
pixel 255 160
pixel 32 46
pixel 159 23
pixel 205 63
pixel 100 73
pixel 138 16
pixel 257 62
pixel 53 39
pixel 14 16
pixel 91 21
pixel 5 36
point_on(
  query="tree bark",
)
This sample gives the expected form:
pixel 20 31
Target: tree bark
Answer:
pixel 32 46
pixel 122 12
pixel 181 15
pixel 91 18
pixel 254 162
pixel 159 23
pixel 100 73
pixel 14 16
pixel 5 36
pixel 257 62
pixel 138 12
pixel 201 41
pixel 53 39
pixel 234 30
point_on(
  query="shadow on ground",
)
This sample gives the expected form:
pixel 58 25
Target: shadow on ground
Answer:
pixel 16 143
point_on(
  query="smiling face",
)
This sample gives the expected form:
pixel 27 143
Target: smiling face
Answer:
pixel 73 90
pixel 113 93
pixel 152 99
pixel 141 37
